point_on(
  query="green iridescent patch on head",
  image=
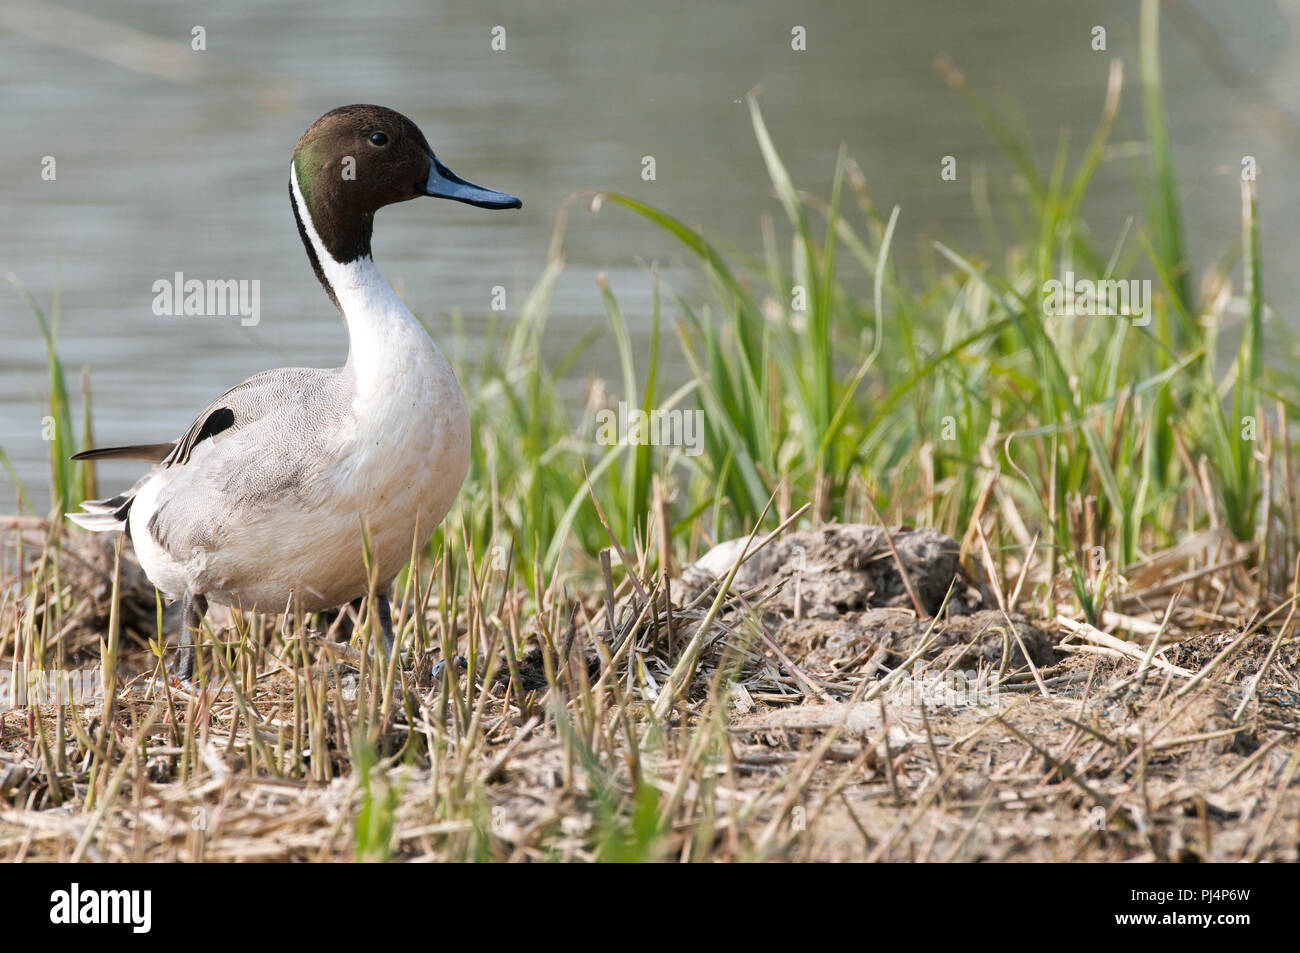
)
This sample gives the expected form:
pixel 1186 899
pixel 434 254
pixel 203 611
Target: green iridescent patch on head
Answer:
pixel 306 163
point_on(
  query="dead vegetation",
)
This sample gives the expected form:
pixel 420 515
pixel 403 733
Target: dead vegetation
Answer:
pixel 811 712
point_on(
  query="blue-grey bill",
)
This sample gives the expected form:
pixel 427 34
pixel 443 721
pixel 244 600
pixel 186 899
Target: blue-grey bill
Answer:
pixel 445 184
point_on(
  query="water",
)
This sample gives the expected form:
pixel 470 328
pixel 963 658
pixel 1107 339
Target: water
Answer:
pixel 173 160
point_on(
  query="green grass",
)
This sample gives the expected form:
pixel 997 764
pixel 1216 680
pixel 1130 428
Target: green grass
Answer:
pixel 70 481
pixel 911 402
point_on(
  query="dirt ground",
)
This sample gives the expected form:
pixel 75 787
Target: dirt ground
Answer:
pixel 1105 765
pixel 827 719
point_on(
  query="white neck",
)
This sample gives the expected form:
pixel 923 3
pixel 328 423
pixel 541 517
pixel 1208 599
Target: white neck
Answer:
pixel 379 325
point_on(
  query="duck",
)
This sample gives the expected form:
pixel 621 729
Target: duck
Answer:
pixel 302 487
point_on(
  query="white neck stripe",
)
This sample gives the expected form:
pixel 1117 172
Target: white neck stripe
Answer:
pixel 375 316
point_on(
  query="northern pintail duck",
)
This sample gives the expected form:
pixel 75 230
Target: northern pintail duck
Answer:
pixel 261 503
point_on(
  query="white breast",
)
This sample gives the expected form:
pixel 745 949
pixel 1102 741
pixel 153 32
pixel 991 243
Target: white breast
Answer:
pixel 394 464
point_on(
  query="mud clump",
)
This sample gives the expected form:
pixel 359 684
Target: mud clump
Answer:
pixel 886 636
pixel 842 568
pixel 835 600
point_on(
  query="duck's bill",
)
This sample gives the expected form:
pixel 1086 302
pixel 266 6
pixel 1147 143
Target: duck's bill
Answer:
pixel 445 184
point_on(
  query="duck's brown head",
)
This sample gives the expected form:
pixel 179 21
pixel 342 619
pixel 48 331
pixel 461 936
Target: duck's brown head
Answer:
pixel 353 161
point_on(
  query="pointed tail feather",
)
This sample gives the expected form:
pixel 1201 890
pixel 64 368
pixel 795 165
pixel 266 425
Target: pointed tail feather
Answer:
pixel 104 506
pixel 96 522
pixel 149 452
pixel 103 516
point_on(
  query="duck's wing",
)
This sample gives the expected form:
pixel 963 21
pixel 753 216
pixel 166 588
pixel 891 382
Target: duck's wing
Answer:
pixel 242 406
pixel 255 452
pixel 242 402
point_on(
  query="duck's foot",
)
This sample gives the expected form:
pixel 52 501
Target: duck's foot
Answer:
pixel 461 664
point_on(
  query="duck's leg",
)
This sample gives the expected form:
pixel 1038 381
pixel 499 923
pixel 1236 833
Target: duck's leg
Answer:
pixel 385 621
pixel 193 608
pixel 340 621
pixel 385 612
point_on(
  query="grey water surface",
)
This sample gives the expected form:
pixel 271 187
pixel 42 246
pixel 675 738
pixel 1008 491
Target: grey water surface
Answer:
pixel 170 159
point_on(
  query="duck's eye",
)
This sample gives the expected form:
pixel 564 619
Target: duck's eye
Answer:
pixel 379 139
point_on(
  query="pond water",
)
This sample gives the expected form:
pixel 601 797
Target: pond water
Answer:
pixel 173 160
